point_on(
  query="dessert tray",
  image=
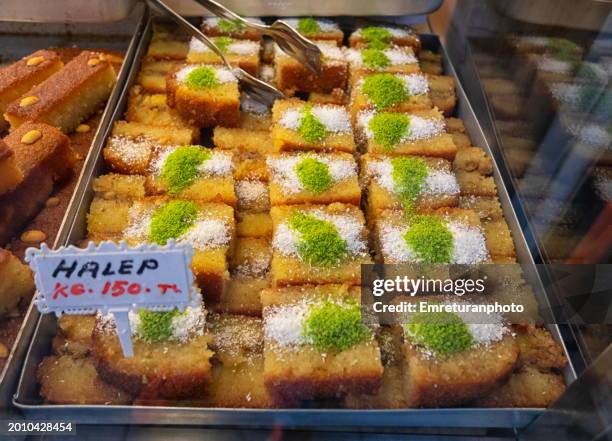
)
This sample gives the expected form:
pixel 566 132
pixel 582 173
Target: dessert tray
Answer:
pixel 268 176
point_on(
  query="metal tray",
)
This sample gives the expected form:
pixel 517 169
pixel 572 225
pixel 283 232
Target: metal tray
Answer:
pixel 69 11
pixel 18 40
pixel 28 400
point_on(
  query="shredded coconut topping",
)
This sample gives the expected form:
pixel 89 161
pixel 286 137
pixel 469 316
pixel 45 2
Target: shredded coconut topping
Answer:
pixel 469 245
pixel 218 164
pixel 396 32
pixel 332 54
pixel 396 56
pixel 286 240
pixel 419 128
pixel 284 174
pixel 335 118
pixel 437 181
pixel 549 64
pixel 283 324
pixel 223 74
pixel 486 328
pixel 132 151
pixel 251 193
pixel 236 47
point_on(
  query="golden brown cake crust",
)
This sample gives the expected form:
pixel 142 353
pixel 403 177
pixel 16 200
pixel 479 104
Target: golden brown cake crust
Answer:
pixel 18 71
pixel 59 86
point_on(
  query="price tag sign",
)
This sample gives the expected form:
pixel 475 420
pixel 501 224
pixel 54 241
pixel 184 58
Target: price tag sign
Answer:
pixel 113 278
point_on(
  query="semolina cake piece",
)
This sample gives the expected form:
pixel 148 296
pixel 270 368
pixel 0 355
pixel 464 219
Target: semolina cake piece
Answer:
pixel 308 178
pixel 474 184
pixel 316 344
pixel 391 393
pixel 394 59
pixel 208 227
pixel 192 172
pixel 10 175
pixel 384 36
pixel 217 27
pixel 44 157
pixel 456 233
pixel 292 75
pixel 68 379
pixel 488 208
pixel 499 238
pixel 204 95
pixel 250 273
pixel 152 74
pixel 16 282
pixel 317 29
pixel 148 108
pixel 237 374
pixel 391 92
pixel 538 349
pixel 168 47
pixel 157 134
pixel 526 387
pixel 302 126
pixel 171 356
pixel 430 62
pixel 442 93
pixel 407 183
pixel 452 358
pixel 116 186
pixel 473 159
pixel 250 165
pixel 243 140
pixel 67 97
pixel 17 78
pixel 455 125
pixel 128 155
pixel 238 53
pixel 74 335
pixel 253 196
pixel 249 224
pixel 417 133
pixel 318 244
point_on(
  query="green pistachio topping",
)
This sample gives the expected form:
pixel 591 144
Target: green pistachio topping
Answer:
pixel 229 26
pixel 222 43
pixel 156 326
pixel 314 175
pixel 180 168
pixel 310 128
pixel 429 238
pixel 385 90
pixel 335 327
pixel 374 58
pixel 409 174
pixel 319 244
pixel 375 34
pixel 203 77
pixel 388 129
pixel 308 26
pixel 443 333
pixel 562 49
pixel 171 220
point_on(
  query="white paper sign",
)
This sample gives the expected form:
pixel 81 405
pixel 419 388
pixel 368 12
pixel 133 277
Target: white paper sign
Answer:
pixel 113 278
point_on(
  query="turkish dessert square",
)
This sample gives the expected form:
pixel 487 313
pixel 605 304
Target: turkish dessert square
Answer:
pixel 221 27
pixel 317 29
pixel 384 36
pixel 394 59
pixel 240 53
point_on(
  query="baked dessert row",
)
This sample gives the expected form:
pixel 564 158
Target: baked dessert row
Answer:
pixel 274 212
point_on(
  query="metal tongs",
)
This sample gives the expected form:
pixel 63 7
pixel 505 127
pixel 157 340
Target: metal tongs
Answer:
pixel 253 87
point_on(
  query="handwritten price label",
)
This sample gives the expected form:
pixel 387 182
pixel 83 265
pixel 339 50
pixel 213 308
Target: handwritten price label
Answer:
pixel 113 278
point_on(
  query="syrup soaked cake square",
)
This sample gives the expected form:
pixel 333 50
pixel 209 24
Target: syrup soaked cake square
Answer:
pixel 152 108
pixel 452 358
pixel 67 97
pixel 317 29
pixel 217 27
pixel 394 59
pixel 316 344
pixel 407 182
pixel 10 175
pixel 302 126
pixel 204 95
pixel 318 244
pixel 293 76
pixel 152 74
pixel 308 178
pixel 391 92
pixel 253 215
pixel 456 233
pixel 473 159
pixel 239 53
pixel 208 227
pixel 237 374
pixel 157 134
pixel 384 36
pixel 192 172
pixel 19 77
pixel 417 133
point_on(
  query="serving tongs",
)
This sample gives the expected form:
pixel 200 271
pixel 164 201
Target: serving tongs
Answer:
pixel 253 87
pixel 287 38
